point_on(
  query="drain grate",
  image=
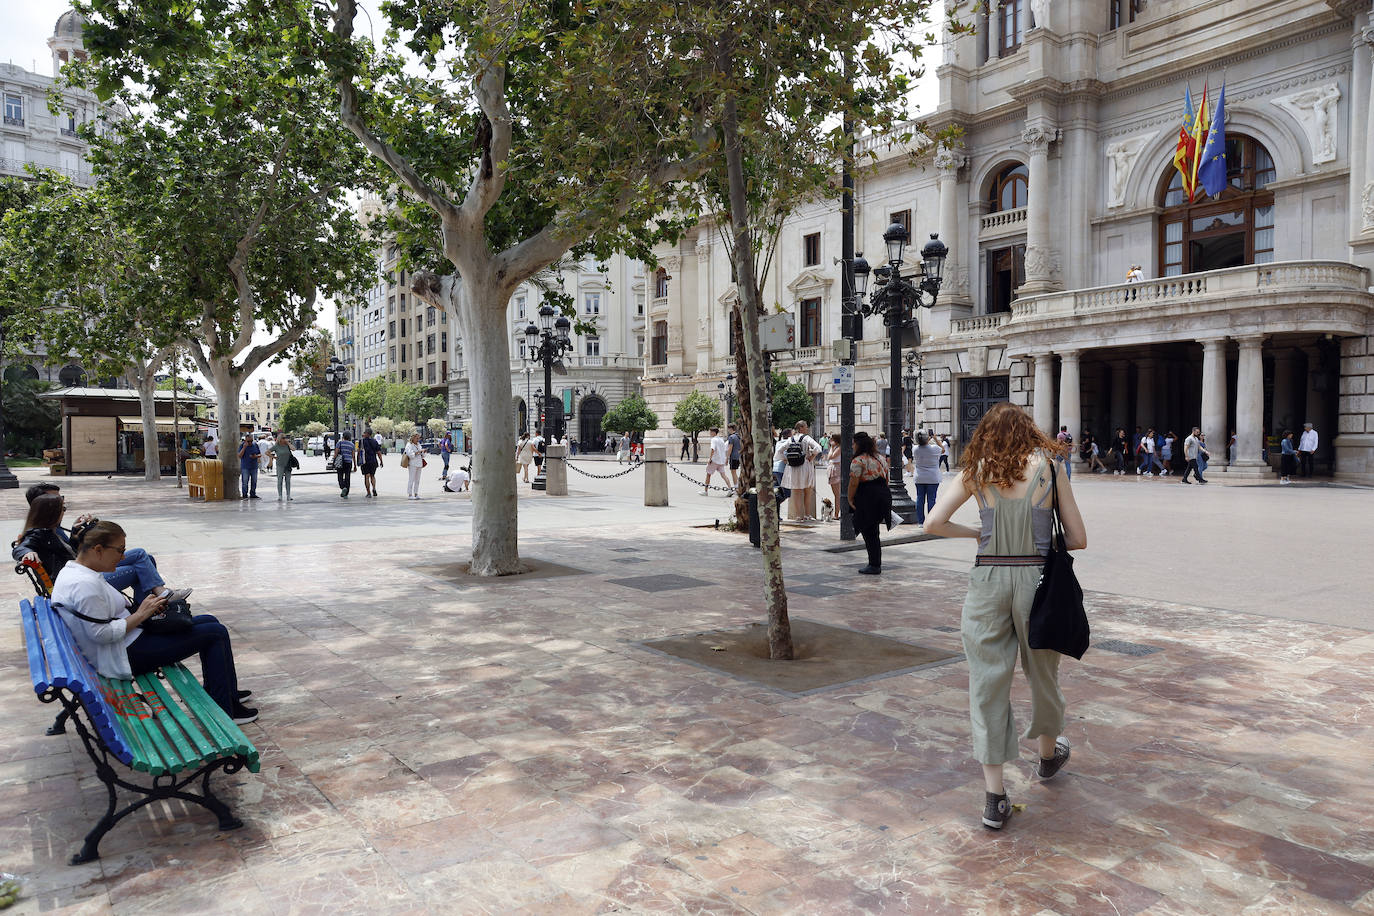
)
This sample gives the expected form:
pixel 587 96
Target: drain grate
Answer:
pixel 1121 647
pixel 946 629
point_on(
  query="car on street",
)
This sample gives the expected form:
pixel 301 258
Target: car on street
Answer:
pixel 315 443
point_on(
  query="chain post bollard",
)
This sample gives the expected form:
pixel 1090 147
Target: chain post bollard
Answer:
pixel 655 475
pixel 556 470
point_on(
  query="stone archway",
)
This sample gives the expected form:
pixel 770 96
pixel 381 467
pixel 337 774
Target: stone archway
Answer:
pixel 589 415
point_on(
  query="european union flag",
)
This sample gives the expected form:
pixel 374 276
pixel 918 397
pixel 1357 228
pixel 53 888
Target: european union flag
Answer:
pixel 1211 170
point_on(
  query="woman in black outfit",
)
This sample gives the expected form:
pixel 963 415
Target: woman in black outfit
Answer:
pixel 870 498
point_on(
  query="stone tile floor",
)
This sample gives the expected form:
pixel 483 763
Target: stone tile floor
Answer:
pixel 429 749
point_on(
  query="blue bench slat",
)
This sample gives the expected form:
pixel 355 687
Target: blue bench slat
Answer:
pixel 33 647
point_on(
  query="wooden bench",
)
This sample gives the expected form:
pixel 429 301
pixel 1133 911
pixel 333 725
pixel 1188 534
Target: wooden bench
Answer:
pixel 163 725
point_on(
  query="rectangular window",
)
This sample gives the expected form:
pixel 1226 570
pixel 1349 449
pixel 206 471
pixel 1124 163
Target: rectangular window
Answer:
pixel 1006 271
pixel 391 305
pixel 591 303
pixel 404 374
pixel 639 346
pixel 430 317
pixel 403 327
pixel 403 352
pixel 443 341
pixel 660 345
pixel 661 284
pixel 391 329
pixel 810 323
pixel 811 249
pixel 391 355
pixel 639 304
pixel 429 345
pixel 903 219
pixel 1173 248
pixel 1011 26
pixel 14 110
pixel 520 307
pixel 431 372
pixel 69 129
pixel 1117 9
pixel 403 304
pixel 1264 234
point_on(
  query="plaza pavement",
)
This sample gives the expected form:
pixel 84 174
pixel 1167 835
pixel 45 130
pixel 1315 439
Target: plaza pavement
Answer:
pixel 432 747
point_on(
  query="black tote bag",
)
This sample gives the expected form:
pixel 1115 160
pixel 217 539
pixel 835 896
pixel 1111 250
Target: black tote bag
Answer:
pixel 1057 618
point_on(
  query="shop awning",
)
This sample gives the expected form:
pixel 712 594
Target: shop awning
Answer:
pixel 164 424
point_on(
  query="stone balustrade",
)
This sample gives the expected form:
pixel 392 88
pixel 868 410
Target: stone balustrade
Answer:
pixel 1003 219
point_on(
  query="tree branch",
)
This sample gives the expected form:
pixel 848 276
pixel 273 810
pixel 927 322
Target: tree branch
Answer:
pixel 353 120
pixel 260 354
pixel 489 179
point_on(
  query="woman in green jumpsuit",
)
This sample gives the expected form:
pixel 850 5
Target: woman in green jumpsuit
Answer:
pixel 1007 469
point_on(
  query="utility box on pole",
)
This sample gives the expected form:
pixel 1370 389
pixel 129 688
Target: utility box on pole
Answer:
pixel 778 332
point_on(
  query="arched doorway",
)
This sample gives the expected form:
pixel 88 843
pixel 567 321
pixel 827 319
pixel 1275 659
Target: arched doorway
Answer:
pixel 554 425
pixel 71 375
pixel 589 415
pixel 1230 230
pixel 15 373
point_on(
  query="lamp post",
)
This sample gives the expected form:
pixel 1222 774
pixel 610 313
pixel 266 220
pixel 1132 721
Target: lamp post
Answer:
pixel 333 379
pixel 726 392
pixel 529 370
pixel 895 298
pixel 544 345
pixel 912 382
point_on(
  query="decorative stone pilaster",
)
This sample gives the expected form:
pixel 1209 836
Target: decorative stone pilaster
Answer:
pixel 705 304
pixel 1365 50
pixel 1043 395
pixel 947 163
pixel 1040 257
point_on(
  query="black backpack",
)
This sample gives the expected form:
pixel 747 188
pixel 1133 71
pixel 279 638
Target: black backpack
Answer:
pixel 795 453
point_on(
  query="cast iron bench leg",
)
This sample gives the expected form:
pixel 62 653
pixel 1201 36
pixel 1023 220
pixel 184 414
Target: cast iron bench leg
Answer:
pixel 59 725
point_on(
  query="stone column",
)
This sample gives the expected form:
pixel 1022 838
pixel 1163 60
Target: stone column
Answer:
pixel 1070 395
pixel 556 470
pixel 947 163
pixel 1043 410
pixel 676 314
pixel 706 306
pixel 1250 404
pixel 1214 397
pixel 1120 406
pixel 1039 252
pixel 1146 387
pixel 1283 393
pixel 655 475
pixel 1363 141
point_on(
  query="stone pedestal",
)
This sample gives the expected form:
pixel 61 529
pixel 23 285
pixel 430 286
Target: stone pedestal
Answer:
pixel 556 470
pixel 655 475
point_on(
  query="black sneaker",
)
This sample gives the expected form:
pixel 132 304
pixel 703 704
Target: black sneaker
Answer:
pixel 871 571
pixel 996 811
pixel 1048 766
pixel 242 715
pixel 244 694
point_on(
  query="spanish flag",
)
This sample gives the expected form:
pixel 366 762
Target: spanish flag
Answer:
pixel 1192 138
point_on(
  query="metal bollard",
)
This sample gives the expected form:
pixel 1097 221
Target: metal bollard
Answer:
pixel 755 536
pixel 655 475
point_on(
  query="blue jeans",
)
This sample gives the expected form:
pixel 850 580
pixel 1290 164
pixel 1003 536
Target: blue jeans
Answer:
pixel 1147 463
pixel 248 479
pixel 925 500
pixel 139 569
pixel 207 638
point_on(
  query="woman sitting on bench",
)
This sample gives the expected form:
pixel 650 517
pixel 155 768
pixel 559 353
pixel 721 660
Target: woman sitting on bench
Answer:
pixel 44 541
pixel 110 636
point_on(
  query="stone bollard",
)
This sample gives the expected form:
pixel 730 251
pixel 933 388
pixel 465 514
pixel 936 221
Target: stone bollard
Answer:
pixel 655 475
pixel 556 470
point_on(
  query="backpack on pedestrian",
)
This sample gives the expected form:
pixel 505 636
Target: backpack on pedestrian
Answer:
pixel 795 452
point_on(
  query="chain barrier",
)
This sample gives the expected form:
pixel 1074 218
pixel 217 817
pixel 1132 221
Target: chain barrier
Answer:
pixel 700 483
pixel 634 466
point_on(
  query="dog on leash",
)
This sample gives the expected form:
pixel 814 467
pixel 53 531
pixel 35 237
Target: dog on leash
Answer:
pixel 827 510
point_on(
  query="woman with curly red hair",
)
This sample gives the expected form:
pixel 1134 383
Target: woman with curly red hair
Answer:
pixel 1009 467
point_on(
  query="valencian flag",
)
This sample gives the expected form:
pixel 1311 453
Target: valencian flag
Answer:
pixel 1192 138
pixel 1211 169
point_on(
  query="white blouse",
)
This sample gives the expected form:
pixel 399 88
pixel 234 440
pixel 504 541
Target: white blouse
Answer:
pixel 103 644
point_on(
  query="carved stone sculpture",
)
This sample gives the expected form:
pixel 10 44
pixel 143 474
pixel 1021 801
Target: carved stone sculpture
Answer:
pixel 1315 110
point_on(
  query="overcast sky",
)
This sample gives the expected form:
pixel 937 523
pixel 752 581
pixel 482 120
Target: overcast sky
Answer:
pixel 27 25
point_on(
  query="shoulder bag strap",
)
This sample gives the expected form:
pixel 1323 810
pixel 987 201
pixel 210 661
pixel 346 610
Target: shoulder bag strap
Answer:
pixel 1057 523
pixel 76 613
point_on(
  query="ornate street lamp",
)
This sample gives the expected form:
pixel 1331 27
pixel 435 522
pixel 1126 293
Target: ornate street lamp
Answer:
pixel 895 298
pixel 726 392
pixel 334 375
pixel 545 345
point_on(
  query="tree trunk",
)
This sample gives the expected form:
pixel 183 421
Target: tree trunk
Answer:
pixel 227 384
pixel 779 627
pixel 747 472
pixel 495 523
pixel 147 406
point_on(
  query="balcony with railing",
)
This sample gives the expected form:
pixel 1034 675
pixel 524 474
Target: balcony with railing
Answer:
pixel 1288 296
pixel 1003 222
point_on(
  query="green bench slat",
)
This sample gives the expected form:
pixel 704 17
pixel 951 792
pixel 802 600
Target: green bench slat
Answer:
pixel 147 750
pixel 192 747
pixel 215 721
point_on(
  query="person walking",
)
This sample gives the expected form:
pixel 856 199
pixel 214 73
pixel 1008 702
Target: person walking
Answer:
pixel 623 451
pixel 1148 448
pixel 1095 456
pixel 248 467
pixel 539 445
pixel 328 444
pixel 446 452
pixel 717 459
pixel 524 454
pixel 1011 471
pixel 344 453
pixel 945 448
pixel 1288 458
pixel 281 459
pixel 211 446
pixel 925 457
pixel 1192 451
pixel 686 453
pixel 1166 453
pixel 832 461
pixel 414 461
pixel 1119 447
pixel 1065 439
pixel 736 445
pixel 369 460
pixel 870 498
pixel 799 452
pixel 1307 447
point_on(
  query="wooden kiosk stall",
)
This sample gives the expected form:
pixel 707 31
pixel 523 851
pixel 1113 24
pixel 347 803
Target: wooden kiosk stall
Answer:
pixel 102 428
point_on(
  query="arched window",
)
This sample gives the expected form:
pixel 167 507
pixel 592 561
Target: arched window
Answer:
pixel 661 284
pixel 1232 229
pixel 1008 190
pixel 71 376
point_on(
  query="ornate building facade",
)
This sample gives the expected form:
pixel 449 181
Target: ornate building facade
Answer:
pixel 1255 312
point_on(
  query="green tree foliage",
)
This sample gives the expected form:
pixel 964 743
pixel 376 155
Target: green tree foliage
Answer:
pixel 630 415
pixel 312 359
pixel 303 409
pixel 231 172
pixel 791 403
pixel 366 398
pixel 315 428
pixel 384 427
pixel 31 425
pixel 436 427
pixel 695 412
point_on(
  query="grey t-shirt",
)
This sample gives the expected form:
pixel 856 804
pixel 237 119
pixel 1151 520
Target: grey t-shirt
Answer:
pixel 927 459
